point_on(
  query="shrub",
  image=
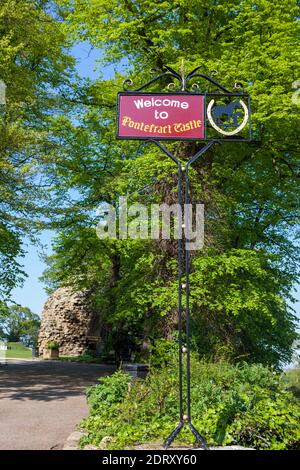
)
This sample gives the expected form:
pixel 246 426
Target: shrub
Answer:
pixel 231 404
pixel 52 345
pixel 161 351
pixel 108 393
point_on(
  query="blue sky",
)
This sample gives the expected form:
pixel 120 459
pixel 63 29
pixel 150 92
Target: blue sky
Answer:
pixel 32 293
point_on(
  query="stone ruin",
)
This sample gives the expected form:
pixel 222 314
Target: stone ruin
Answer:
pixel 69 320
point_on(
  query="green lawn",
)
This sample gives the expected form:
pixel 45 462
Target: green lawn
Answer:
pixel 85 357
pixel 18 350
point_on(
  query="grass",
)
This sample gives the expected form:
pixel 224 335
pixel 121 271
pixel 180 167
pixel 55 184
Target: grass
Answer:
pixel 244 404
pixel 18 351
pixel 86 358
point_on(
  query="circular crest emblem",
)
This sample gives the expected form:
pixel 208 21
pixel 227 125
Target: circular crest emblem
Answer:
pixel 226 116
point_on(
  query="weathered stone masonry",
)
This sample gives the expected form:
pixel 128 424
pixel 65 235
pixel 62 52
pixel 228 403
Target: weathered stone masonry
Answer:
pixel 69 320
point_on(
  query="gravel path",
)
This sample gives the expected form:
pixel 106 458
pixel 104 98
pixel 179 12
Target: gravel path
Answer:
pixel 42 402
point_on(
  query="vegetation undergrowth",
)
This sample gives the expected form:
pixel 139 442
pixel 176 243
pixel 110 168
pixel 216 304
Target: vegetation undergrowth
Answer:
pixel 244 404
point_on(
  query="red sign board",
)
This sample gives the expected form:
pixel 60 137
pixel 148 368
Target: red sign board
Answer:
pixel 160 116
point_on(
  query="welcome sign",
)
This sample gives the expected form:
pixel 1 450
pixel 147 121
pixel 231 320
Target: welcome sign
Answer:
pixel 160 116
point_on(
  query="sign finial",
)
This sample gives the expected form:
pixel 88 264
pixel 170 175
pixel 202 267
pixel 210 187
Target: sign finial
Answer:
pixel 182 74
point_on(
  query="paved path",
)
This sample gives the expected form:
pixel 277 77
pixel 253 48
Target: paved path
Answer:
pixel 42 402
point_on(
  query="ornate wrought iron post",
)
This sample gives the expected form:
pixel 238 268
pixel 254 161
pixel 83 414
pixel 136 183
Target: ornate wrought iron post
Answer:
pixel 228 127
pixel 184 270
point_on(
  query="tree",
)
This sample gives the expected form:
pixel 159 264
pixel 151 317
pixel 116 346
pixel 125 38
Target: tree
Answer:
pixel 33 64
pixel 250 193
pixel 19 323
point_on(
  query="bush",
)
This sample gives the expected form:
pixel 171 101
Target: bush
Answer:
pixel 161 350
pixel 231 404
pixel 53 345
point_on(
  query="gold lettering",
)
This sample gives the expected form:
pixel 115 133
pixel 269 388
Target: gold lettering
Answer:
pixel 125 120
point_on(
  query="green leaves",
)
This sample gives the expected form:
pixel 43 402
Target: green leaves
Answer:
pixel 33 63
pixel 244 405
pixel 18 323
pixel 242 292
pixel 242 279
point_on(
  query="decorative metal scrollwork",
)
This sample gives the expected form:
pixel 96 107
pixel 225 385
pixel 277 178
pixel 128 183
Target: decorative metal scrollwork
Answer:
pixel 239 86
pixel 183 80
pixel 226 112
pixel 126 82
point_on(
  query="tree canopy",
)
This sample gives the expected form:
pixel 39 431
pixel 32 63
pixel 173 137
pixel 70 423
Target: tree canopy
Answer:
pixel 34 63
pixel 19 323
pixel 242 279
